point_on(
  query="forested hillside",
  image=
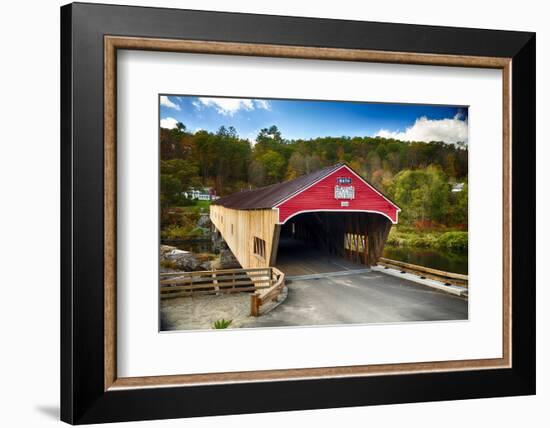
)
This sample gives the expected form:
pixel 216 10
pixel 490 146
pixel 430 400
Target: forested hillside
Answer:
pixel 417 176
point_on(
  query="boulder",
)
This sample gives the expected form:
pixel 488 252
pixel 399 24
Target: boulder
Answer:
pixel 183 260
pixel 228 260
pixel 206 265
pixel 165 249
pixel 204 222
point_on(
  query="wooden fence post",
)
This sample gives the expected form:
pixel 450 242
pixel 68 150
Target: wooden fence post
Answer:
pixel 254 305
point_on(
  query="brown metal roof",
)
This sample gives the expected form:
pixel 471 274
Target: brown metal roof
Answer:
pixel 270 196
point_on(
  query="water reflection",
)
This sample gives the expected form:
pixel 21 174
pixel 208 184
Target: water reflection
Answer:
pixel 196 246
pixel 448 261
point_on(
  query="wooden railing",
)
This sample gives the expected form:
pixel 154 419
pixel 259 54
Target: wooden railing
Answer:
pixel 182 284
pixel 265 283
pixel 266 295
pixel 424 272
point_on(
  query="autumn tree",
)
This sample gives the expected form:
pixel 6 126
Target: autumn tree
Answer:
pixel 274 166
pixel 300 164
pixel 423 194
pixel 418 175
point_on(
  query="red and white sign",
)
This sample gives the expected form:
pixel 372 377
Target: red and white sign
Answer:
pixel 344 192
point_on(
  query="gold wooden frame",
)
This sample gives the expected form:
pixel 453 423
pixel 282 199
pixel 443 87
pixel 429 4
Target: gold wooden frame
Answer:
pixel 113 43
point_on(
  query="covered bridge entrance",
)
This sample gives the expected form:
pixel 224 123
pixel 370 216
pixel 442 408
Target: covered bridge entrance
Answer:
pixel 332 211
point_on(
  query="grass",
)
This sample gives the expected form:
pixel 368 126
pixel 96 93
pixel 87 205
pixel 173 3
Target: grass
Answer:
pixel 198 207
pixel 403 236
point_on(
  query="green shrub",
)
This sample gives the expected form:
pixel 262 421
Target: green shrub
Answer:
pixel 453 240
pixel 422 240
pixel 394 241
pixel 175 232
pixel 406 237
pixel 198 232
pixel 411 238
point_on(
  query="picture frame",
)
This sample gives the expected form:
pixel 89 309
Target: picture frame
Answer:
pixel 91 391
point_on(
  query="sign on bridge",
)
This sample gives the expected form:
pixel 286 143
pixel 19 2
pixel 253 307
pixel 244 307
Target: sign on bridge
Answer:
pixel 344 192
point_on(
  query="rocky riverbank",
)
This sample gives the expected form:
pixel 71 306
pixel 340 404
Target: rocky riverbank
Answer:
pixel 173 258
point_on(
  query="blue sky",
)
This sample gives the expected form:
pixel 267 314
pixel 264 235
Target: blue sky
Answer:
pixel 309 119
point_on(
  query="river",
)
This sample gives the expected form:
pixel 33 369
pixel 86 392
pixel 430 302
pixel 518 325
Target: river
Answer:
pixel 449 261
pixel 193 245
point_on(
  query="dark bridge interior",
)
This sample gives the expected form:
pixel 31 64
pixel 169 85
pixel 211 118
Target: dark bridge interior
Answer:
pixel 330 241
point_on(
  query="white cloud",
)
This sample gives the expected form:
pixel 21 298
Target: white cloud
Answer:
pixel 263 104
pixel 449 131
pixel 230 106
pixel 165 101
pixel 168 123
pixel 225 106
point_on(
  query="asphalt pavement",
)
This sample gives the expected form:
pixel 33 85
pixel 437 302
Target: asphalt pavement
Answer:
pixel 351 296
pixel 370 297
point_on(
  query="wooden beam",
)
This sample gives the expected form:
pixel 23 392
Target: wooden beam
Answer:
pixel 418 268
pixel 275 245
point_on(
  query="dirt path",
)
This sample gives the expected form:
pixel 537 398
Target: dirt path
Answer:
pixel 193 313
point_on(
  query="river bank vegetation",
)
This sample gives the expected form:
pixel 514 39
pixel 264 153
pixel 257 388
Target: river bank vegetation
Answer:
pixel 443 239
pixel 186 220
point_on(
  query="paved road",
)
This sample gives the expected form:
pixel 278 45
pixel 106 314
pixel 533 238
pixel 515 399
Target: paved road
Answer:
pixel 295 258
pixel 371 297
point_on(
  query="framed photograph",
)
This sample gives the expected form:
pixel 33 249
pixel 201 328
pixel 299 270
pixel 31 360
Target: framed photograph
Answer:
pixel 266 213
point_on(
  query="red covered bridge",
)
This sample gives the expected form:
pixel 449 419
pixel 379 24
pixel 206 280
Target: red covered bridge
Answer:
pixel 333 210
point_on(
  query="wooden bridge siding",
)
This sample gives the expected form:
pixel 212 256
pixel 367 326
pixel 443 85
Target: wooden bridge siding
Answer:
pixel 247 224
pixel 327 229
pixel 320 197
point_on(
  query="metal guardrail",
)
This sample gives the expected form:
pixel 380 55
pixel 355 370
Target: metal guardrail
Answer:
pixel 424 272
